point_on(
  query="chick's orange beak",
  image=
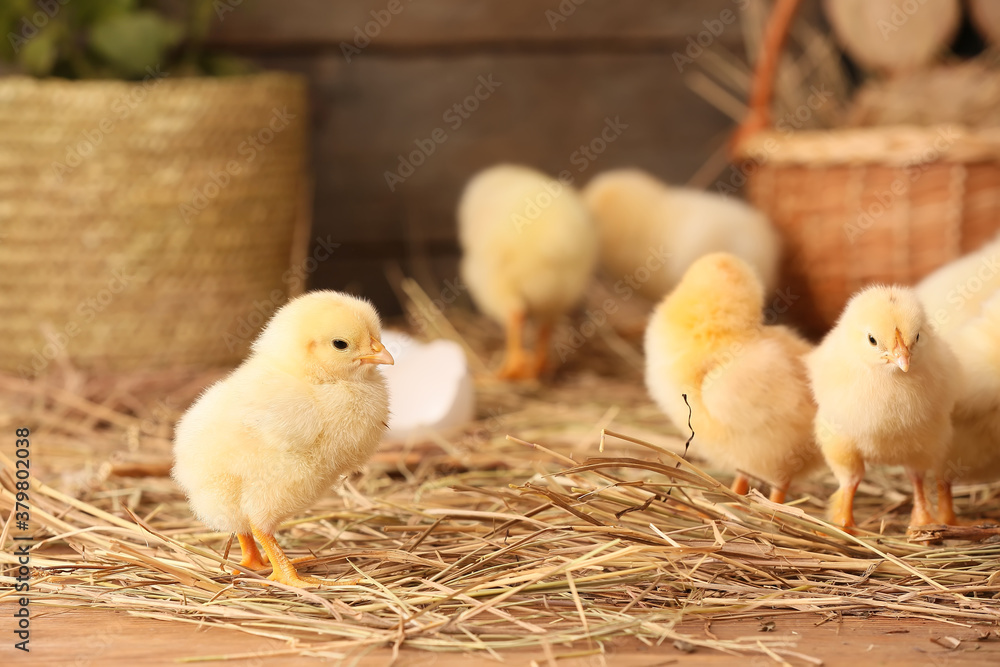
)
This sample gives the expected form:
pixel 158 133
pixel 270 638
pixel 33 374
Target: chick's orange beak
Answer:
pixel 379 355
pixel 901 353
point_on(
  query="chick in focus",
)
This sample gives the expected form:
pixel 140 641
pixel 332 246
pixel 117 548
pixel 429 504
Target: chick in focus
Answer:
pixel 529 248
pixel 636 212
pixel 307 407
pixel 751 409
pixel 885 386
pixel 963 301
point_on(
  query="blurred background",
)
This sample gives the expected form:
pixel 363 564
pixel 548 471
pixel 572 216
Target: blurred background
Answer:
pixel 171 172
pixel 559 73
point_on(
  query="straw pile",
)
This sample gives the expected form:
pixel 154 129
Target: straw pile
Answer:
pixel 528 528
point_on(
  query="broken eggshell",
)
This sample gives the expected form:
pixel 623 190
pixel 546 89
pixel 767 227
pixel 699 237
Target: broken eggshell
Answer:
pixel 430 386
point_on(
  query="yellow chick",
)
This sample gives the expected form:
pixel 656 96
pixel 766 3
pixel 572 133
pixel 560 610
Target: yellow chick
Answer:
pixel 528 251
pixel 645 222
pixel 962 300
pixel 974 453
pixel 305 408
pixel 751 409
pixel 885 386
pixel 954 294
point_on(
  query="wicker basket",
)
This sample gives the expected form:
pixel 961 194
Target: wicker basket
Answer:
pixel 125 243
pixel 857 206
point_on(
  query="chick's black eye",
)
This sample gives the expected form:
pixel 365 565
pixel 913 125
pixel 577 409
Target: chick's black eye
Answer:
pixel 917 339
pixel 340 344
pixel 871 339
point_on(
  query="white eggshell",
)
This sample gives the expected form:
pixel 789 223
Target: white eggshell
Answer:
pixel 430 386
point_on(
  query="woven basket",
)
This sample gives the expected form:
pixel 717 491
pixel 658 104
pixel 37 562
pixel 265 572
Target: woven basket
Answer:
pixel 124 242
pixel 857 206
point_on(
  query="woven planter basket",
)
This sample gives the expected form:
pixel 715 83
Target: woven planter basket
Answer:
pixel 857 206
pixel 125 243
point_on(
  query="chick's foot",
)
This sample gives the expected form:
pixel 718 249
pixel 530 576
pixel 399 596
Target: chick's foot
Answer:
pixel 921 515
pixel 284 571
pixel 741 484
pixel 517 366
pixel 946 505
pixel 295 579
pixel 252 560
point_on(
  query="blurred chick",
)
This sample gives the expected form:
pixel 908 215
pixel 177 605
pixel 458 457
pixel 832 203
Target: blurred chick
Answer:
pixel 528 251
pixel 954 294
pixel 963 301
pixel 974 454
pixel 885 385
pixel 636 214
pixel 751 409
pixel 304 409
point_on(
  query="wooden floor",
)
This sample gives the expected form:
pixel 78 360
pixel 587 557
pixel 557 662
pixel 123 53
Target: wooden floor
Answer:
pixel 80 638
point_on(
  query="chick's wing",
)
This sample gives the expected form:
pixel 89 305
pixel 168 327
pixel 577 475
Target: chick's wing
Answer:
pixel 759 382
pixel 282 413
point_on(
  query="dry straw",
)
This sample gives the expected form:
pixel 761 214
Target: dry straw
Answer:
pixel 142 220
pixel 530 528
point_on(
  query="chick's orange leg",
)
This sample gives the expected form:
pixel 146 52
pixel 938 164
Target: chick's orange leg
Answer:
pixel 515 363
pixel 284 571
pixel 252 560
pixel 946 504
pixel 541 349
pixel 842 505
pixel 921 515
pixel 740 484
pixel 778 492
pixel 849 468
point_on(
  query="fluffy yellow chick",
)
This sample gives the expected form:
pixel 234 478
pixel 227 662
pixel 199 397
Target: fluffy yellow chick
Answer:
pixel 751 409
pixel 305 408
pixel 645 222
pixel 962 300
pixel 885 386
pixel 954 294
pixel 529 249
pixel 974 453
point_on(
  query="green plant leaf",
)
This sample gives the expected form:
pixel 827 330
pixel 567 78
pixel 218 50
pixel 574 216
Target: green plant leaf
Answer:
pixel 228 66
pixel 88 12
pixel 133 42
pixel 38 55
pixel 16 27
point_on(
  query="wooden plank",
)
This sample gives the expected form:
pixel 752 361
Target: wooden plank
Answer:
pixel 113 639
pixel 271 24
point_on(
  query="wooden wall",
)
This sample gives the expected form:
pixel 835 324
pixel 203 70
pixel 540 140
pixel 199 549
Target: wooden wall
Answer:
pixel 561 71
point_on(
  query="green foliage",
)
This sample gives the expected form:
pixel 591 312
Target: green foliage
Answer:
pixel 122 39
pixel 131 42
